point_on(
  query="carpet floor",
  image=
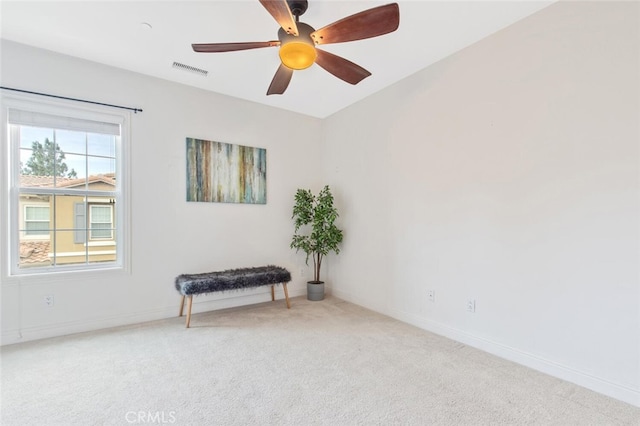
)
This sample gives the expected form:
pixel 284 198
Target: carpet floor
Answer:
pixel 319 363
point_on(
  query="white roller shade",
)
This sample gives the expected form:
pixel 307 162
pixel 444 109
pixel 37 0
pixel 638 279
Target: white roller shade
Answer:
pixel 38 119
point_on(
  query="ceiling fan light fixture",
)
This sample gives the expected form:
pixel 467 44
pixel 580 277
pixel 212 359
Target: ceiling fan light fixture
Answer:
pixel 297 55
pixel 297 52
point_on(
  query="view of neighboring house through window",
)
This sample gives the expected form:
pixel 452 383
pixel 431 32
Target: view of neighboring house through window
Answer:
pixel 67 193
pixel 36 220
pixel 101 223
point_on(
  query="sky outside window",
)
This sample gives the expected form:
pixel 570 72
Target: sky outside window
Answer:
pixel 97 151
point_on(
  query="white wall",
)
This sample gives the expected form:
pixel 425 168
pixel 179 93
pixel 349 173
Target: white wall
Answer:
pixel 169 235
pixel 507 173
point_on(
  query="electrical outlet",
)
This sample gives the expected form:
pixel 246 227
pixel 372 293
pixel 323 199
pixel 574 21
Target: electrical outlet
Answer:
pixel 471 305
pixel 48 300
pixel 302 272
pixel 431 295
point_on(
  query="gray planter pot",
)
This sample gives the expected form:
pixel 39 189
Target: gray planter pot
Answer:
pixel 315 290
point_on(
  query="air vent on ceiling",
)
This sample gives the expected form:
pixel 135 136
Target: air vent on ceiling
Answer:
pixel 189 68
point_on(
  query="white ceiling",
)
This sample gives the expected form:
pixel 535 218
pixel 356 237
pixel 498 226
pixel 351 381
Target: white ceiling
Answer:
pixel 111 32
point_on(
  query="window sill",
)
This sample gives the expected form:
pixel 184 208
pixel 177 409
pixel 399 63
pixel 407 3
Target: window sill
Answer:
pixel 100 244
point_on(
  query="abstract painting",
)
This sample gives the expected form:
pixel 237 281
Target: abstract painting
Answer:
pixel 219 172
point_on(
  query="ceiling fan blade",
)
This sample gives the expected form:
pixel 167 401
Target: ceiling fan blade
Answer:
pixel 341 68
pixel 369 23
pixel 280 11
pixel 280 81
pixel 231 47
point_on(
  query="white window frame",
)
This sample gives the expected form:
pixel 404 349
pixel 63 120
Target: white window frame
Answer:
pixel 9 181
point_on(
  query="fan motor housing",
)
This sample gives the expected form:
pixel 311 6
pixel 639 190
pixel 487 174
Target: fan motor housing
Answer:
pixel 304 34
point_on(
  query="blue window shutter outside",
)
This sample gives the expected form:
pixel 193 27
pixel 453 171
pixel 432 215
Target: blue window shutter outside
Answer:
pixel 80 223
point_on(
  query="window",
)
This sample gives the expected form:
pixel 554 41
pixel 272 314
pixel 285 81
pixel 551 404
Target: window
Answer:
pixel 36 220
pixel 66 189
pixel 101 223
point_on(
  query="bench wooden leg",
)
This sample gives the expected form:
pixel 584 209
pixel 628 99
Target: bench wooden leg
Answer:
pixel 273 293
pixel 189 303
pixel 181 305
pixel 286 295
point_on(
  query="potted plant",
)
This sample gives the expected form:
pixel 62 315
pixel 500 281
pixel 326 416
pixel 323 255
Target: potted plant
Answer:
pixel 315 232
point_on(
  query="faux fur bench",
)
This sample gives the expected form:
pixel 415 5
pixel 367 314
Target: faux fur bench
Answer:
pixel 232 279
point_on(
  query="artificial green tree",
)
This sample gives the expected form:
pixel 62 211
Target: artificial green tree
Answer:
pixel 315 231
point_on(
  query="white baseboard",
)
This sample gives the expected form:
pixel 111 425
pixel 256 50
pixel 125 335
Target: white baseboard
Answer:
pixel 605 387
pixel 229 300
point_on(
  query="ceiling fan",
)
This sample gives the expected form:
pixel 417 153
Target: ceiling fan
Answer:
pixel 298 40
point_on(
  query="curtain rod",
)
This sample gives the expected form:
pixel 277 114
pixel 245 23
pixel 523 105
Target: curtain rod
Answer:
pixel 135 110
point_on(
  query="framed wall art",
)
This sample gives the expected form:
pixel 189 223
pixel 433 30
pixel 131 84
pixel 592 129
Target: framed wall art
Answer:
pixel 219 172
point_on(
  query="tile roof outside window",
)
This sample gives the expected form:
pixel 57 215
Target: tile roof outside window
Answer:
pixel 31 181
pixel 34 253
